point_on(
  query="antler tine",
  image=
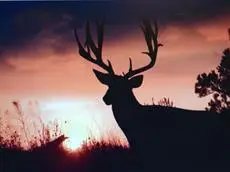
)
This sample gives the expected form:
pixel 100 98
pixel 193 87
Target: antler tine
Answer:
pixel 91 46
pixel 151 38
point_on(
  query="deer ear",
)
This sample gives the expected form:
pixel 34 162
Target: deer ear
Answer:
pixel 136 81
pixel 102 77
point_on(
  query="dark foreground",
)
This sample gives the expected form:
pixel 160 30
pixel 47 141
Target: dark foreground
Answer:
pixel 94 157
pixel 97 157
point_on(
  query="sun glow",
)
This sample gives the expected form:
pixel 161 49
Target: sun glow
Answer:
pixel 76 120
pixel 73 143
pixel 77 133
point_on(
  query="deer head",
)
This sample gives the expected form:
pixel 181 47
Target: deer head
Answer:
pixel 118 84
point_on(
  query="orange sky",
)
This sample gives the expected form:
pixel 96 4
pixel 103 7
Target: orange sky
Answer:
pixel 54 77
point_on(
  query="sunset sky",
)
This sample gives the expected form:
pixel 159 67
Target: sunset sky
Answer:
pixel 39 60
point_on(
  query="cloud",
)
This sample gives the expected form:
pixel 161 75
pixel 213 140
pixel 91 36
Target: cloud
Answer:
pixel 5 66
pixel 41 27
pixel 55 38
pixel 30 18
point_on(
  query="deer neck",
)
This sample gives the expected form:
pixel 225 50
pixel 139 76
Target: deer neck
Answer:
pixel 125 112
pixel 127 102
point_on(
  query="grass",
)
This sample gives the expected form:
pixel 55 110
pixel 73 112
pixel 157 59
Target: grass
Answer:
pixel 93 156
pixel 45 151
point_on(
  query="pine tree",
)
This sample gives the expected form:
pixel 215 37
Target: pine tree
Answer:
pixel 217 84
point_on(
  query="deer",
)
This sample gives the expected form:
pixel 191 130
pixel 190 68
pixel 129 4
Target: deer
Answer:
pixel 168 135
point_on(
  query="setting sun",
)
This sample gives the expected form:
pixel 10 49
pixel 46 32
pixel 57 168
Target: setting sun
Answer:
pixel 78 123
pixel 76 132
pixel 72 143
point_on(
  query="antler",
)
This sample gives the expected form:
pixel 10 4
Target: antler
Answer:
pixel 91 47
pixel 150 36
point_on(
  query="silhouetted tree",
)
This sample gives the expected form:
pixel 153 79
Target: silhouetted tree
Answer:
pixel 217 84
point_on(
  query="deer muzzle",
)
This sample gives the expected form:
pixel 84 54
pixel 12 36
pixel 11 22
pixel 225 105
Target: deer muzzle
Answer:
pixel 107 98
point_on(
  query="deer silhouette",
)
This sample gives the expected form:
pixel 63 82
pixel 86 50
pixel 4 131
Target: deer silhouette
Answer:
pixel 168 136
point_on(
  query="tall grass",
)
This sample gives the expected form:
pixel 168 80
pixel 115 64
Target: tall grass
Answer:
pixel 19 135
pixel 46 154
